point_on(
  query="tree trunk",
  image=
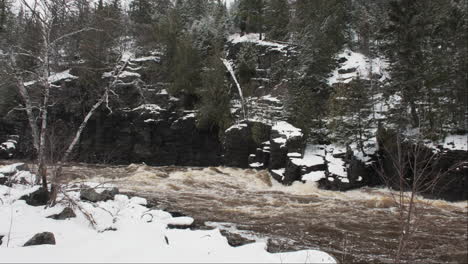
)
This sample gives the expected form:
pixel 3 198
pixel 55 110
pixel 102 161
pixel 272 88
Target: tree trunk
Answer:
pixel 44 114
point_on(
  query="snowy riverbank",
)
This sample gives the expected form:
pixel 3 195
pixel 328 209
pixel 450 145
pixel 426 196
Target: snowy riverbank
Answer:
pixel 125 230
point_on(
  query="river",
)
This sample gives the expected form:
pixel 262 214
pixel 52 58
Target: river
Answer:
pixel 354 226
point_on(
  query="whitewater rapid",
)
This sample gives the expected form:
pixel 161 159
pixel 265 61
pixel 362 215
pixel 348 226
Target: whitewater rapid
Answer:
pixel 359 225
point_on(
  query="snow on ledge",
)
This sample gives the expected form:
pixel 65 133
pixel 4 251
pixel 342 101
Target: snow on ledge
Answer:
pixel 314 176
pixel 254 38
pixel 56 77
pixel 236 126
pixel 152 108
pixel 148 58
pixel 288 130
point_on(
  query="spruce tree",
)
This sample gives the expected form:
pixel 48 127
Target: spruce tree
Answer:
pixel 277 19
pixel 214 108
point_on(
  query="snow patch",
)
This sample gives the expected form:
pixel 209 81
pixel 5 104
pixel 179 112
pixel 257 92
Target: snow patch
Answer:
pixel 236 126
pixel 147 58
pixel 359 66
pixel 314 176
pixel 56 77
pixel 152 108
pixel 287 129
pixel 255 38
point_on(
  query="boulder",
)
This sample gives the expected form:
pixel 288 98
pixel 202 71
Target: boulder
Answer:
pixel 92 196
pixel 37 198
pixel 3 180
pixel 236 240
pixel 65 214
pixel 45 238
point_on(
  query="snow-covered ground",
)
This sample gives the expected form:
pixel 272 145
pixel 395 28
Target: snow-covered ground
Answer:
pixel 452 142
pixel 363 66
pixel 125 230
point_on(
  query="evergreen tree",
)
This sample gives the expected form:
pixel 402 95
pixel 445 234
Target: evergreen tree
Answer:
pixel 141 11
pixel 426 64
pixel 185 71
pixel 250 16
pixel 277 19
pixel 214 109
pixel 350 114
pixel 319 28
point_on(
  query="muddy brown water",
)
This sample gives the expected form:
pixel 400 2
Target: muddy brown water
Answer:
pixel 355 226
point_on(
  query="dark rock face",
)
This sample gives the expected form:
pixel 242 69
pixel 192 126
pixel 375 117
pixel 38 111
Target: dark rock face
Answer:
pixel 92 196
pixel 292 173
pixel 1 240
pixel 65 214
pixel 45 238
pixel 243 141
pixel 37 198
pixel 259 146
pixel 158 138
pixel 237 145
pixel 446 171
pixel 3 180
pixel 452 185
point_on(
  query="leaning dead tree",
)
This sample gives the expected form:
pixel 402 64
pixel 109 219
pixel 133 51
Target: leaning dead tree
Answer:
pixel 37 111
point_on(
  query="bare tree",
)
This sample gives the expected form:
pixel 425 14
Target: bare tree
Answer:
pixel 41 12
pixel 409 170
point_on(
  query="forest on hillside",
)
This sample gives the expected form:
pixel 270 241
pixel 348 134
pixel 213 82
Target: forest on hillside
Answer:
pixel 423 42
pixel 210 131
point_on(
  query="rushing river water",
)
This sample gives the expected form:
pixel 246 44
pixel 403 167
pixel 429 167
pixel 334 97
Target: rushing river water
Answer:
pixel 355 226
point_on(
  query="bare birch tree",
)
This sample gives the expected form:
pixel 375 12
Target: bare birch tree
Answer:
pixel 41 12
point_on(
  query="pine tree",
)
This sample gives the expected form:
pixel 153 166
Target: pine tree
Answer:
pixel 185 71
pixel 277 19
pixel 350 114
pixel 250 16
pixel 426 64
pixel 319 28
pixel 141 11
pixel 214 109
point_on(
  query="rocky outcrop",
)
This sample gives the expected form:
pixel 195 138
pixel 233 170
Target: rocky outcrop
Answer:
pixel 243 141
pixel 452 185
pixel 445 171
pixel 260 146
